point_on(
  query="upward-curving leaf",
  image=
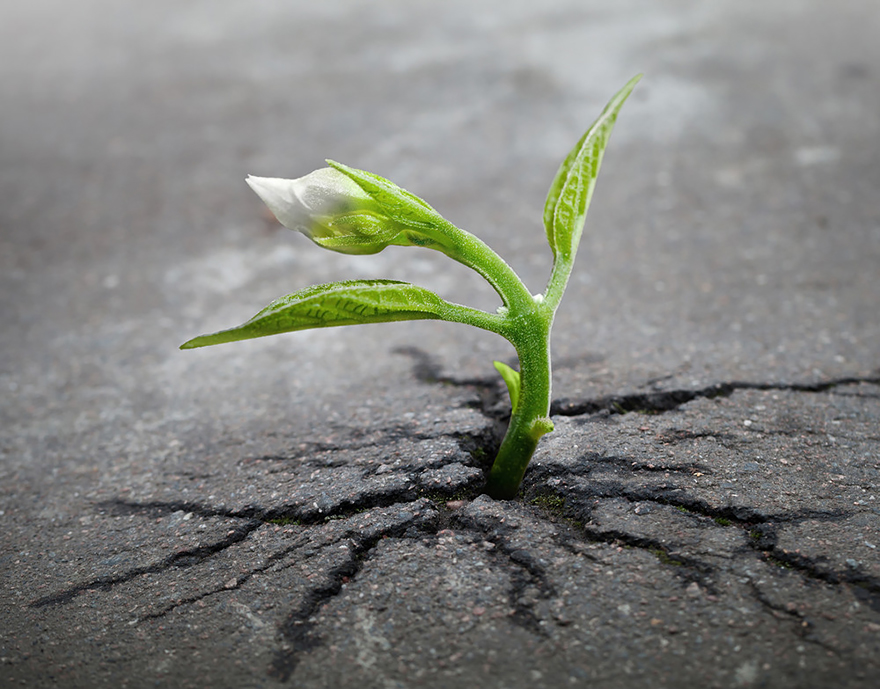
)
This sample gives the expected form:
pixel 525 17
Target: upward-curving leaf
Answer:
pixel 572 188
pixel 337 303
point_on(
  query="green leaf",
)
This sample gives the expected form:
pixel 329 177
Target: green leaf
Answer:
pixel 338 303
pixel 511 377
pixel 572 188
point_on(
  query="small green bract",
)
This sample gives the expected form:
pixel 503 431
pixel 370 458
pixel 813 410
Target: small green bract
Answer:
pixel 356 212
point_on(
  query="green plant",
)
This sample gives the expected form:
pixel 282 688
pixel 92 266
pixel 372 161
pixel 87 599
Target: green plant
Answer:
pixel 356 212
pixel 550 502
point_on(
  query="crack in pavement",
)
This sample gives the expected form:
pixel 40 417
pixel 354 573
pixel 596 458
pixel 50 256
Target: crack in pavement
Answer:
pixel 305 452
pixel 765 542
pixel 679 435
pixel 239 582
pixel 184 558
pixel 760 528
pixel 694 569
pixel 688 568
pixel 630 464
pixel 526 574
pixel 427 369
pixel 253 518
pixel 663 495
pixel 299 630
pixel 801 624
pixel 669 400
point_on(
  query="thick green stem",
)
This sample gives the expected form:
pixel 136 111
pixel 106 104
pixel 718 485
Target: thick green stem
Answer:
pixel 473 252
pixel 531 419
pixel 558 281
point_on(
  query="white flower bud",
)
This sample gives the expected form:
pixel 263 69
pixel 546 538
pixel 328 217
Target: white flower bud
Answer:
pixel 329 208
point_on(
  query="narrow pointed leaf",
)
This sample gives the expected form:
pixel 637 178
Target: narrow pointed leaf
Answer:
pixel 338 303
pixel 512 379
pixel 572 188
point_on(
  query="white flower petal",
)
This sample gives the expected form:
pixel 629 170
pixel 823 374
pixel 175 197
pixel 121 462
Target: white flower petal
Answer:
pixel 280 196
pixel 328 192
pixel 307 203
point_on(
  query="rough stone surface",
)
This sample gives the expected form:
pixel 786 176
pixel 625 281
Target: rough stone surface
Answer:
pixel 306 511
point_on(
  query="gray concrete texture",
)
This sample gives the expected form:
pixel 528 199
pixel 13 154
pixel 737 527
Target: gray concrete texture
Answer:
pixel 306 511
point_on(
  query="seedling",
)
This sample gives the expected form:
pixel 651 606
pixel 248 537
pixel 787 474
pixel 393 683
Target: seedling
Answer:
pixel 356 212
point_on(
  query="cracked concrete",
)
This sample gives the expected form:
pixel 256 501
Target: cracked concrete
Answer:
pixel 307 511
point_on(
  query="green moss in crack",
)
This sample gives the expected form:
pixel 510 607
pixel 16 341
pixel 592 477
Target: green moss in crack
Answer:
pixel 577 524
pixel 550 502
pixel 665 557
pixel 284 521
pixel 782 564
pixel 479 455
pixel 721 521
pixel 440 498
